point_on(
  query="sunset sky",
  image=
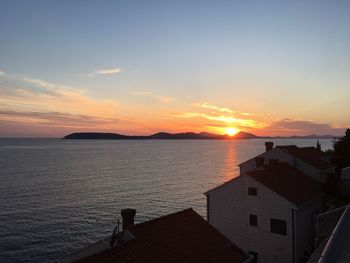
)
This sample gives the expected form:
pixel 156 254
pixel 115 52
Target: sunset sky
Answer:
pixel 139 67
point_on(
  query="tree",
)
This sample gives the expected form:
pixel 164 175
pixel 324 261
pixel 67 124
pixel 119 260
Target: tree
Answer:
pixel 341 151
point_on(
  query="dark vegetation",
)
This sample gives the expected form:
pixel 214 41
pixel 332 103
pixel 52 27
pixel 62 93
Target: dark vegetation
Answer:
pixel 340 157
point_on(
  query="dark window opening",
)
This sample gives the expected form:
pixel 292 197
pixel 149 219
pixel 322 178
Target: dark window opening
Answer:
pixel 255 256
pixel 253 220
pixel 278 226
pixel 252 191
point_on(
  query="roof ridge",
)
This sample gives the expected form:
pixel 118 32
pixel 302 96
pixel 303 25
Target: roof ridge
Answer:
pixel 162 217
pixel 279 164
pixel 223 184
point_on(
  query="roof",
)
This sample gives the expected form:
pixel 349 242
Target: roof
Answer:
pixel 180 237
pixel 310 155
pixel 223 184
pixel 288 182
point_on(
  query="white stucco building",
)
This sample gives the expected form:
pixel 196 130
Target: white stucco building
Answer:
pixel 270 209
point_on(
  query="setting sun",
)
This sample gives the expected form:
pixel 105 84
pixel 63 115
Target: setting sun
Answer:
pixel 231 131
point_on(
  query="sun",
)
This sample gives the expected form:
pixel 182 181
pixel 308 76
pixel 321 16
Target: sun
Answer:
pixel 231 131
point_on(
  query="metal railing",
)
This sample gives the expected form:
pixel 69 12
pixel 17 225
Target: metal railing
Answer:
pixel 338 245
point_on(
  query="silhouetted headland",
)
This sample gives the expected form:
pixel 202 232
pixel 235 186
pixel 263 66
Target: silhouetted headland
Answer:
pixel 180 136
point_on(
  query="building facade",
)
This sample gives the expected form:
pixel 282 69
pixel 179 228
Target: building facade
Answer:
pixel 270 209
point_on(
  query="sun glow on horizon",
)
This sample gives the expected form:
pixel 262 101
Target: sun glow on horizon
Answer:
pixel 231 131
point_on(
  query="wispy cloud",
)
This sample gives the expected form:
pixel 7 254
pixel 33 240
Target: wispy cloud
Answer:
pixel 109 71
pixel 227 120
pixel 34 106
pixel 302 127
pixel 149 94
pixel 262 124
pixel 48 86
pixel 223 110
pixel 223 117
pixel 35 102
pixel 206 105
pixel 56 119
pixel 39 94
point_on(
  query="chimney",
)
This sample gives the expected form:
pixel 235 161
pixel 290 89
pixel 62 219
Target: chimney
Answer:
pixel 269 146
pixel 128 216
pixel 259 161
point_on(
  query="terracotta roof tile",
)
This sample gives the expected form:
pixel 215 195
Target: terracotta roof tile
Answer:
pixel 288 182
pixel 181 237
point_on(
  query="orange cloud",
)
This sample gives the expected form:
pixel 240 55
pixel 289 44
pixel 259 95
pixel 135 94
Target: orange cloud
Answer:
pixel 222 118
pixel 30 102
pixel 45 96
pixel 42 108
pixel 287 127
pixel 206 105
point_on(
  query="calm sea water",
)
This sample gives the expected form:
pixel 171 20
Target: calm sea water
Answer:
pixel 57 195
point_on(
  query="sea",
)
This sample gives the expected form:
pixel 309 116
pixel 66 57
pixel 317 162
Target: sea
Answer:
pixel 57 196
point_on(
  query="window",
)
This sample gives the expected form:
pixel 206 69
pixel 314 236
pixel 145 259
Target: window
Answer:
pixel 253 220
pixel 254 255
pixel 278 226
pixel 252 191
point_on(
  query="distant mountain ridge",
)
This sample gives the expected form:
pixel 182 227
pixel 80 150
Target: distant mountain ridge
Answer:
pixel 159 136
pixel 178 136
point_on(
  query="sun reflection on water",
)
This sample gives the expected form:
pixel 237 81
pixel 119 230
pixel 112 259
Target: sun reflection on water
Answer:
pixel 230 169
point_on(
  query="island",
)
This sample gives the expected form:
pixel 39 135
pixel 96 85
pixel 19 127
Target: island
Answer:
pixel 179 136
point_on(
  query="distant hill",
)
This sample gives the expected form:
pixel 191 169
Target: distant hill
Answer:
pixel 180 136
pixel 159 136
pixel 246 135
pixel 185 135
pixel 312 136
pixel 101 136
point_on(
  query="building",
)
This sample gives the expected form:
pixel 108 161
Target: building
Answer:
pixel 312 161
pixel 270 209
pixel 180 237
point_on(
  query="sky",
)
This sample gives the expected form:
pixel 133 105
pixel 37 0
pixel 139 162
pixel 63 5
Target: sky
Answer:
pixel 140 67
